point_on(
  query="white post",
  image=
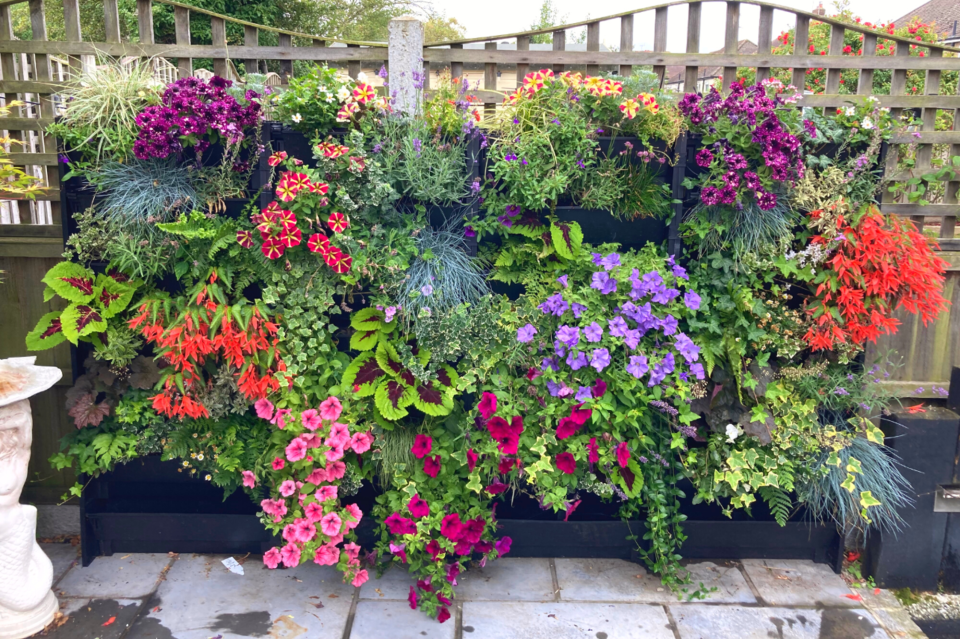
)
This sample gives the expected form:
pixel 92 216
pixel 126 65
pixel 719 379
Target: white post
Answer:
pixel 406 62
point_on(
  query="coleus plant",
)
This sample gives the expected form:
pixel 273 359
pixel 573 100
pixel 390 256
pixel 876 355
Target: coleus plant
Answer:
pixel 93 299
pixel 312 449
pixel 380 372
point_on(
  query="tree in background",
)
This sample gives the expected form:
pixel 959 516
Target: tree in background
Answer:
pixel 439 28
pixel 549 17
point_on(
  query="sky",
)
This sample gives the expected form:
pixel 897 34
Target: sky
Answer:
pixel 495 17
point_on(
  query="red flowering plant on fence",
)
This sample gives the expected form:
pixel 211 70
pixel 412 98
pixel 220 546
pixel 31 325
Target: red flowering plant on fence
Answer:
pixel 313 450
pixel 880 263
pixel 203 327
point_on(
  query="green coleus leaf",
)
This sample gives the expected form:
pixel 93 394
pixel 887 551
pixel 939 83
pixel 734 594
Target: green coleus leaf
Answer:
pixel 47 334
pixel 365 340
pixel 362 374
pixel 630 479
pixel 528 225
pixel 112 296
pixel 567 239
pixel 71 282
pixel 79 320
pixel 389 360
pixel 432 399
pixel 367 319
pixel 392 398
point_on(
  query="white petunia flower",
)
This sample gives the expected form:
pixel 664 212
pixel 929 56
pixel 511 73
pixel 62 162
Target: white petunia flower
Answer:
pixel 343 93
pixel 361 77
pixel 733 431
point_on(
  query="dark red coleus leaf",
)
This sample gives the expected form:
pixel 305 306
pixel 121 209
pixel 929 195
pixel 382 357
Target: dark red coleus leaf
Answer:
pixel 82 284
pixel 87 315
pixel 394 393
pixel 369 371
pixel 107 298
pixel 444 378
pixel 430 394
pixel 54 328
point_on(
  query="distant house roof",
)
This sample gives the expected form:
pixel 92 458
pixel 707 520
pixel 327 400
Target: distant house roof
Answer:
pixel 944 14
pixel 675 74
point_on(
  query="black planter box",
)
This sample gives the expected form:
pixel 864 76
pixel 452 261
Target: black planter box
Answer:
pixel 148 505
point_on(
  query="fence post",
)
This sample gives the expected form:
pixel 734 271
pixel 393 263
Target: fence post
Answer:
pixel 406 62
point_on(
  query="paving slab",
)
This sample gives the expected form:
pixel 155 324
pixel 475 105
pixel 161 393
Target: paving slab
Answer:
pixel 85 618
pixel 889 613
pixel 393 585
pixel 395 620
pixel 63 556
pixel 509 579
pixel 795 582
pixel 616 580
pixel 563 620
pixel 702 621
pixel 200 598
pixel 115 577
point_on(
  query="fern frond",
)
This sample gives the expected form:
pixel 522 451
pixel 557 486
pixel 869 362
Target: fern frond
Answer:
pixel 779 501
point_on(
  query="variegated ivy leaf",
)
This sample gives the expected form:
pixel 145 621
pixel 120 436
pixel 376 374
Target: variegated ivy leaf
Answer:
pixel 867 499
pixel 849 484
pixel 874 434
pixel 853 466
pixel 71 281
pixel 473 483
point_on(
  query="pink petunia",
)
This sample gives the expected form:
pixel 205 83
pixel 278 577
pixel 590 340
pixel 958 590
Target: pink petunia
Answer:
pixel 335 453
pixel 249 479
pixel 327 555
pixel 336 539
pixel 418 507
pixel 287 488
pixel 339 434
pixel 304 531
pixel 325 493
pixel 355 513
pixel 271 558
pixel 330 524
pixel 310 419
pixel 280 419
pixel 278 463
pixel 311 440
pixel 296 449
pixel 330 409
pixel 336 470
pixel 314 512
pixel 352 550
pixel 399 550
pixel 317 477
pixel 361 442
pixel 412 598
pixel 264 408
pixel 290 555
pixel 360 579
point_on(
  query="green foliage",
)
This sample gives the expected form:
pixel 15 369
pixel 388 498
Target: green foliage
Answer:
pixel 626 189
pixel 740 230
pixel 310 103
pixel 780 503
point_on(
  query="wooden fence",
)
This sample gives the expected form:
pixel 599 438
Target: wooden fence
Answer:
pixel 30 247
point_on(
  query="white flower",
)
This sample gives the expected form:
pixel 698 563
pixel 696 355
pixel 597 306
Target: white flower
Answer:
pixel 343 93
pixel 850 111
pixel 733 431
pixel 361 77
pixel 873 99
pixel 297 118
pixel 868 123
pixel 329 98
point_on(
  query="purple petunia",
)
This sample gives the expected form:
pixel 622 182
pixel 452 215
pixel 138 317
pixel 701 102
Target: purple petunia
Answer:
pixel 669 325
pixel 686 348
pixel 554 305
pixel 578 310
pixel 563 280
pixel 525 333
pixel 583 394
pixel 610 261
pixel 551 364
pixel 637 366
pixel 632 338
pixel 665 295
pixel 596 257
pixel 691 300
pixel 506 221
pixel 697 369
pixel 569 335
pixel 576 362
pixel 618 327
pixel 600 359
pixel 593 332
pixel 680 272
pixel 603 283
pixel 512 210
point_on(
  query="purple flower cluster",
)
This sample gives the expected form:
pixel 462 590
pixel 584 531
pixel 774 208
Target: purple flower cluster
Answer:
pixel 191 111
pixel 779 149
pixel 580 346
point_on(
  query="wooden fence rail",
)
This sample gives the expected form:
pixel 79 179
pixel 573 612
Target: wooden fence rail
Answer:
pixel 34 70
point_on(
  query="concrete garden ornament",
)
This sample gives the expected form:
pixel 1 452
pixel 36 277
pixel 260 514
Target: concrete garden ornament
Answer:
pixel 27 604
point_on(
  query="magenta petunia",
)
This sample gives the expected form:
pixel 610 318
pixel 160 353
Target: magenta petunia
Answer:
pixel 418 507
pixel 487 405
pixel 433 549
pixel 599 389
pixel 506 434
pixel 566 463
pixel 398 525
pixel 442 614
pixel 422 445
pixel 451 528
pixel 503 545
pixel 431 465
pixel 412 598
pixel 593 451
pixel 471 459
pixel 623 454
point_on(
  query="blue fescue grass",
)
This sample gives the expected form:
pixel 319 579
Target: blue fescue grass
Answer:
pixel 142 193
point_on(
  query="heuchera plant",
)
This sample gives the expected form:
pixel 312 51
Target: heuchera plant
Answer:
pixel 748 147
pixel 305 508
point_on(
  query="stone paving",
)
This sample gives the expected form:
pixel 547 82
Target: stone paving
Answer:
pixel 155 596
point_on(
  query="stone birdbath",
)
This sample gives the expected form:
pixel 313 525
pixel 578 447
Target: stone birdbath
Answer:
pixel 27 604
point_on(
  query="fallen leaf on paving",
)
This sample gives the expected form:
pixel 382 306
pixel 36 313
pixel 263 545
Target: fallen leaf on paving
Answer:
pixel 876 591
pixel 157 609
pixel 125 556
pixel 552 616
pixel 334 596
pixel 313 597
pixel 854 597
pixel 109 621
pixel 318 605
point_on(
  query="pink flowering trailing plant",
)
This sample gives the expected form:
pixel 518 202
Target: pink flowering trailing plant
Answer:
pixel 437 517
pixel 313 450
